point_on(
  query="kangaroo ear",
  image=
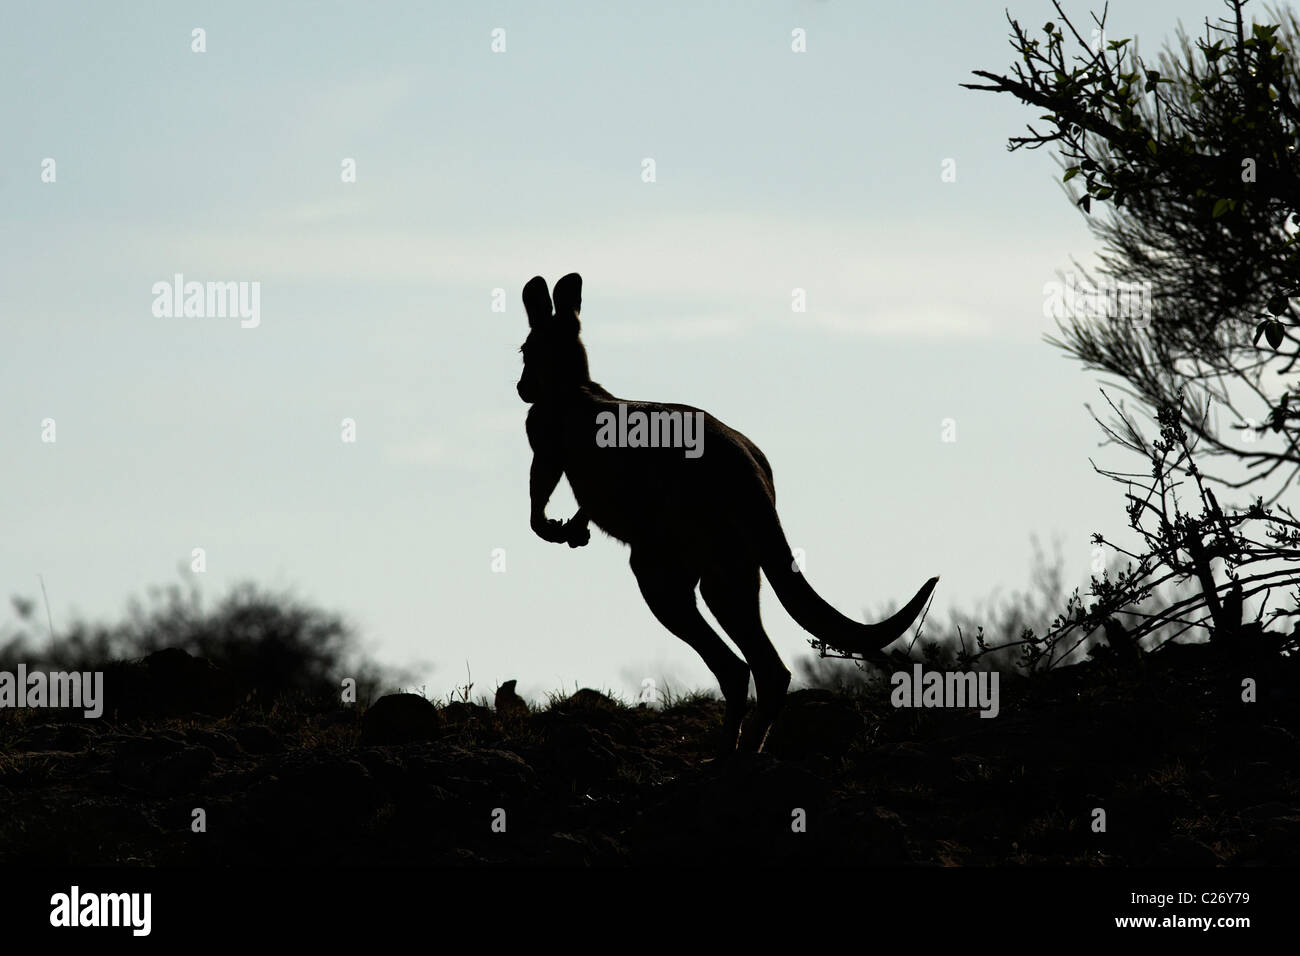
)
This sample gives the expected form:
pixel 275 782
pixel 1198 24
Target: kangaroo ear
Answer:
pixel 537 301
pixel 568 297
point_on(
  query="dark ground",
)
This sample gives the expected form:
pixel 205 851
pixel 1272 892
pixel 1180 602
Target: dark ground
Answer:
pixel 1187 773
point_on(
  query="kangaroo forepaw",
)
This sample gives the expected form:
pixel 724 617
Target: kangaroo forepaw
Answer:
pixel 548 529
pixel 577 534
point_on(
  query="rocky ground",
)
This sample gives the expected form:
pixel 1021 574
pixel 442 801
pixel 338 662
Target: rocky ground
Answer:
pixel 1186 772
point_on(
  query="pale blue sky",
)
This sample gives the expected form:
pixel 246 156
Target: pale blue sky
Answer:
pixel 476 170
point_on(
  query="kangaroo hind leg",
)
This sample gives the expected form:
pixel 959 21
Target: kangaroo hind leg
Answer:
pixel 731 592
pixel 669 589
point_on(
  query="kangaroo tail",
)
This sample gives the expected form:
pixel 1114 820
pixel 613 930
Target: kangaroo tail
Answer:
pixel 814 615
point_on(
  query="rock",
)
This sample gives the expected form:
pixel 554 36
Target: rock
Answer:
pixel 872 836
pixel 160 765
pixel 399 719
pixel 342 717
pixel 223 745
pixel 138 749
pixel 72 738
pixel 258 739
pixel 463 712
pixel 333 783
pixel 509 705
pixel 1181 850
pixel 588 699
pixel 569 849
pixel 582 752
pixel 168 683
pixel 815 722
pixel 311 794
pixel 182 771
pixel 459 857
pixel 742 810
pixel 907 761
pixel 1266 811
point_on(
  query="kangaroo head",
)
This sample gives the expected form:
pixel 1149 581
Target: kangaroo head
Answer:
pixel 555 361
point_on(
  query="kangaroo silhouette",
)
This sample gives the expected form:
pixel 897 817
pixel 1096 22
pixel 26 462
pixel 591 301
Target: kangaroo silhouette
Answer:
pixel 701 514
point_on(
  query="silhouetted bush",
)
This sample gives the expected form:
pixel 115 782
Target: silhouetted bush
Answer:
pixel 1125 613
pixel 269 644
pixel 1001 620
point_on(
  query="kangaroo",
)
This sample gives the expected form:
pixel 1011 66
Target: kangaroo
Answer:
pixel 706 519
